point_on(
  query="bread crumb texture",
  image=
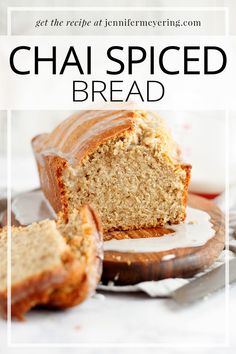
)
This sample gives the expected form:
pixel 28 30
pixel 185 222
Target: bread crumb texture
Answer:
pixel 134 180
pixel 35 249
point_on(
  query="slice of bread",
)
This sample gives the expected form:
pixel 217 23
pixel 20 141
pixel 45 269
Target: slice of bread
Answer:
pixel 124 163
pixel 55 264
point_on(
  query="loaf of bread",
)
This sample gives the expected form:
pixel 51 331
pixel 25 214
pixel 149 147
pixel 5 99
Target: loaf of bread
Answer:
pixel 52 263
pixel 124 163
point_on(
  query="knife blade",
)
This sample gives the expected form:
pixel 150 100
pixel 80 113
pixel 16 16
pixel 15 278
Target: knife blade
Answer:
pixel 205 284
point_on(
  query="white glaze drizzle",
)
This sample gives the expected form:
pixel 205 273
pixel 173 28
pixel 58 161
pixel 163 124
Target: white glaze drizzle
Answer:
pixel 195 231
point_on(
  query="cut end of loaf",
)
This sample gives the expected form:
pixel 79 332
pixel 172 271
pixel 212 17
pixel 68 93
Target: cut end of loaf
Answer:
pixel 134 180
pixel 123 163
pixel 54 264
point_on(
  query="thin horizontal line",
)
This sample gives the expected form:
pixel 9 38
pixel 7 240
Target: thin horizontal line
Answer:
pixel 71 8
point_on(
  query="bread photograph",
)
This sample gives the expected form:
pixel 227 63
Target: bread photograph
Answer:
pixel 114 214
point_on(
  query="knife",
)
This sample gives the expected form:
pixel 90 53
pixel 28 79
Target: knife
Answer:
pixel 205 284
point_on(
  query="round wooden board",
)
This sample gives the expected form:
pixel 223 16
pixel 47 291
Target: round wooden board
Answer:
pixel 124 268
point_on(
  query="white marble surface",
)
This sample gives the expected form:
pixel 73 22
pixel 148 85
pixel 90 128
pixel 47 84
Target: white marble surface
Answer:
pixel 126 319
pixel 132 320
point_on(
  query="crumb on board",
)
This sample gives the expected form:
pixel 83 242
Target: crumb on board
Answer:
pixel 192 222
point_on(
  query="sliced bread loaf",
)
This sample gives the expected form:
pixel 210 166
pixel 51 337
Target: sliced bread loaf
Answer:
pixel 55 264
pixel 124 163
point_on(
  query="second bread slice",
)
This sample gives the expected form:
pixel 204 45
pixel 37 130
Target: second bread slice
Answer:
pixel 56 264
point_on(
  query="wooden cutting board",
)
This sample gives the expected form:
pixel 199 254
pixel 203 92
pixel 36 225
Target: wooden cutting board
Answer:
pixel 125 268
pixel 131 268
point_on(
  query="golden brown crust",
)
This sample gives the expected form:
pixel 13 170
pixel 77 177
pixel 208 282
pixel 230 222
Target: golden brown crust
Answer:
pixel 31 292
pixel 50 169
pixel 83 276
pixel 66 286
pixel 187 169
pixel 82 133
